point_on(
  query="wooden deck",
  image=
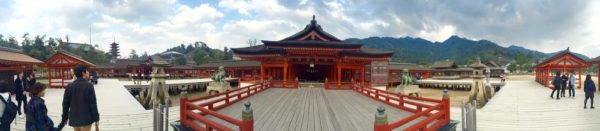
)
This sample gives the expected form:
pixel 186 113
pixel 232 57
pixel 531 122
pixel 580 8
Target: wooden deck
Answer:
pixel 526 105
pixel 312 109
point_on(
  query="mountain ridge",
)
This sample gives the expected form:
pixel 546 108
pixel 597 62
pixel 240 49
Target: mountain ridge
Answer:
pixel 460 49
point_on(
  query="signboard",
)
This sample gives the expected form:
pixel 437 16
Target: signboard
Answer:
pixel 379 72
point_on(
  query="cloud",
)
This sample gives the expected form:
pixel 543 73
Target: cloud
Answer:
pixel 154 25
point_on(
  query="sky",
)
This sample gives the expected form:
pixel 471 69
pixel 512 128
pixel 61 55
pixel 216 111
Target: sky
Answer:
pixel 155 25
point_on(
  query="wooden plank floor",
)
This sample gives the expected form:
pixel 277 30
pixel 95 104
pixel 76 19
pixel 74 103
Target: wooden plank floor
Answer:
pixel 312 109
pixel 526 105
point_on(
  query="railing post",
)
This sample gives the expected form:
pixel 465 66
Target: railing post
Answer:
pixel 474 115
pixel 446 101
pixel 381 120
pixel 182 106
pixel 247 118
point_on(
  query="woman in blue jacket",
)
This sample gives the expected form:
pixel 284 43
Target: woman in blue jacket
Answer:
pixel 37 114
pixel 590 89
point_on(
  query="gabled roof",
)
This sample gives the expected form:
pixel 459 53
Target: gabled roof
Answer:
pixel 409 66
pixel 257 50
pixel 311 43
pixel 231 63
pixel 366 52
pixel 122 63
pixel 13 56
pixel 311 37
pixel 443 64
pixel 312 31
pixel 558 59
pixel 52 60
pixel 491 64
pixel 595 60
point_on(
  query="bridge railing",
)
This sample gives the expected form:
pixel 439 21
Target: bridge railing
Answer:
pixel 282 84
pixel 436 113
pixel 193 112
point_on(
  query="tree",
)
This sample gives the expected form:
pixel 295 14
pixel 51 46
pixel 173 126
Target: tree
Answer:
pixel 52 43
pixel 133 55
pixel 251 42
pixel 144 56
pixel 512 67
pixel 199 56
pixel 179 61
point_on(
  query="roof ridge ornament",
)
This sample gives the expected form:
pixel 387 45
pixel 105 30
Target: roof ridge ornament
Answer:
pixel 313 21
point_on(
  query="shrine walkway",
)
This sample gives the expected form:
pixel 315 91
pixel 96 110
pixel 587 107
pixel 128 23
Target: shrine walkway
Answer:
pixel 526 105
pixel 119 111
pixel 313 109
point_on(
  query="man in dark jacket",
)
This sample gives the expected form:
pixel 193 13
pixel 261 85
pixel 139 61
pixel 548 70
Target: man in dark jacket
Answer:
pixel 79 102
pixel 563 86
pixel 556 83
pixel 21 85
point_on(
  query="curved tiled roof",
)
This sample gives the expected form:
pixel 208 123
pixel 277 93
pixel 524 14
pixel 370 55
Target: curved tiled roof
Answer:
pixel 13 56
pixel 313 27
pixel 231 63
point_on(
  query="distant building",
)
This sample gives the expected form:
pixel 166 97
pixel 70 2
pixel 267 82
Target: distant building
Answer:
pixel 495 69
pixel 448 69
pixel 114 52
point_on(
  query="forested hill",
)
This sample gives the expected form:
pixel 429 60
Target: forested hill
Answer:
pixel 461 50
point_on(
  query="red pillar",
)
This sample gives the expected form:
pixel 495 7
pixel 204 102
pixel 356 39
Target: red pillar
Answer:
pixel 339 75
pixel 579 87
pixel 362 75
pixel 262 72
pixel 285 65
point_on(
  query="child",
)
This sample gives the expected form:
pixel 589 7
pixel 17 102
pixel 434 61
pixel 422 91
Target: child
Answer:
pixel 37 114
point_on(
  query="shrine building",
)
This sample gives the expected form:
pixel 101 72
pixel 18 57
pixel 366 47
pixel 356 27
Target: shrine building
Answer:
pixel 315 56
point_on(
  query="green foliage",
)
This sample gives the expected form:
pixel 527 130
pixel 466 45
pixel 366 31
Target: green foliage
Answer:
pixel 461 50
pixel 133 55
pixel 201 53
pixel 43 48
pixel 179 61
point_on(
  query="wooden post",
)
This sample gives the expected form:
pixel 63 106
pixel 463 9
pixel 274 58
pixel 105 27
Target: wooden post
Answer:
pixel 339 76
pixel 182 106
pixel 446 101
pixel 247 118
pixel 579 87
pixel 285 65
pixel 381 120
pixel 362 76
pixel 262 72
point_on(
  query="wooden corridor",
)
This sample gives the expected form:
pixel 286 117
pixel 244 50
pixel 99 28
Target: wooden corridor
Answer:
pixel 313 109
pixel 526 105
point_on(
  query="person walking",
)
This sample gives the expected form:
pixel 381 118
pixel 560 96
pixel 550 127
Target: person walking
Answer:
pixel 589 89
pixel 21 85
pixel 572 85
pixel 79 102
pixel 556 83
pixel 565 80
pixel 37 114
pixel 8 109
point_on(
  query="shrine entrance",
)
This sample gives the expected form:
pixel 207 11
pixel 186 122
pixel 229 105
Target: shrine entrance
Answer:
pixel 312 73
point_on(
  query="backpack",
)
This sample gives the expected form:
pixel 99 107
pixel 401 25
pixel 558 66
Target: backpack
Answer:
pixel 10 111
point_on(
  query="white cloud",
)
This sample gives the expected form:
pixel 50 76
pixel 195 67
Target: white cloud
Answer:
pixel 154 25
pixel 438 34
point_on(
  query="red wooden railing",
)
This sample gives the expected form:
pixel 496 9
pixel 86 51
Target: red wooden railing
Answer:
pixel 282 84
pixel 193 111
pixel 436 114
pixel 342 85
